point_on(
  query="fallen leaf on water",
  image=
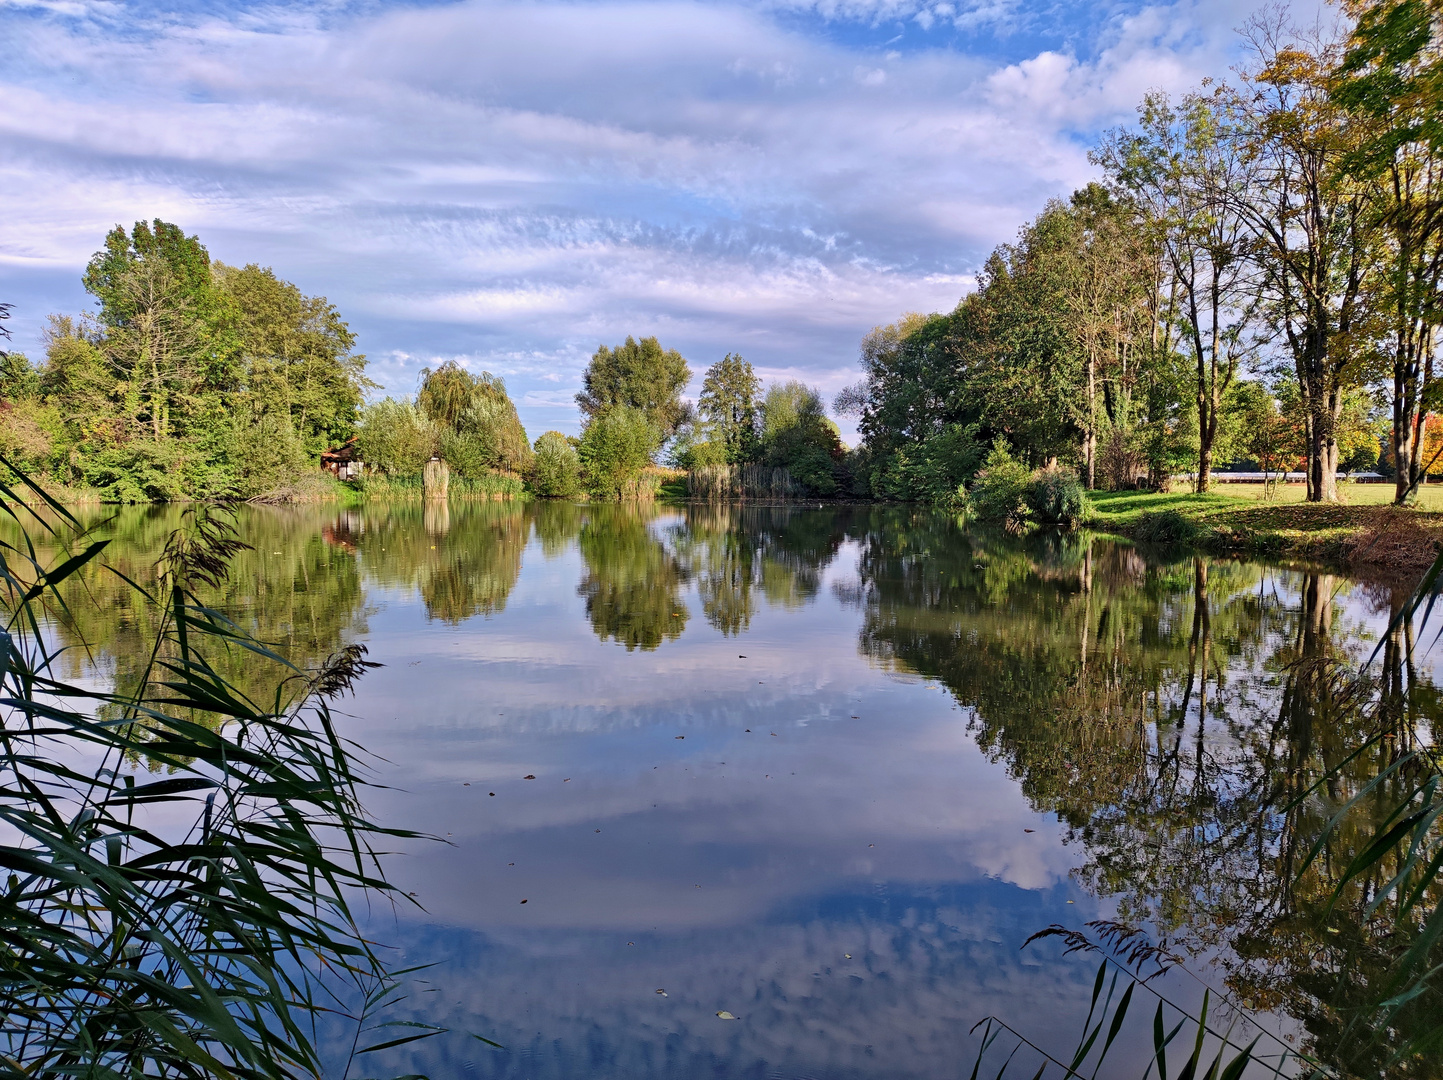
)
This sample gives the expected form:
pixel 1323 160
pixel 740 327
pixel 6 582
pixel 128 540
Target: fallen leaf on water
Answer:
pixel 523 901
pixel 726 1015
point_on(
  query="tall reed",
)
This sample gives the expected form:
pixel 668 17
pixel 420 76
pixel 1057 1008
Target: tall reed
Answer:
pixel 181 861
pixel 718 482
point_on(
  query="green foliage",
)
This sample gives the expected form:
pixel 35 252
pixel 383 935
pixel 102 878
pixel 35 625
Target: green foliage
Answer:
pixel 480 430
pixel 798 437
pixel 615 449
pixel 999 493
pixel 268 454
pixel 932 471
pixel 196 380
pixel 396 437
pixel 174 924
pixel 637 375
pixel 556 468
pixel 728 410
pixel 297 355
pixel 1056 496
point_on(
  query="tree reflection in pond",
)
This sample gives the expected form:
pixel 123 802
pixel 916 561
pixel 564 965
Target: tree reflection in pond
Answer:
pixel 633 583
pixel 1171 714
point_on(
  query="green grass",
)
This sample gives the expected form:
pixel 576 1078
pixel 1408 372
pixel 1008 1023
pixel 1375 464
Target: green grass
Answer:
pixel 1241 519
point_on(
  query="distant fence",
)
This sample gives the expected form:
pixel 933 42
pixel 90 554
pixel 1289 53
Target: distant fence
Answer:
pixel 1280 478
pixel 717 482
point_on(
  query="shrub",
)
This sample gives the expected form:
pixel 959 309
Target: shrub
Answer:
pixel 933 470
pixel 555 469
pixel 396 437
pixel 615 447
pixel 1000 491
pixel 1056 497
pixel 268 456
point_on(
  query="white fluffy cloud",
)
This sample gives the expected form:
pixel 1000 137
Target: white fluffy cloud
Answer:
pixel 512 183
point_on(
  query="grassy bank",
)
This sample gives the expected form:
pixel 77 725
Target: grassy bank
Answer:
pixel 1362 532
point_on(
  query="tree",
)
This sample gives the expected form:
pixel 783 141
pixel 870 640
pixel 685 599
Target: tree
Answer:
pixel 1310 223
pixel 168 332
pixel 1183 164
pixel 480 428
pixel 728 406
pixel 637 375
pixel 615 448
pixel 1390 81
pixel 555 468
pixel 396 437
pixel 797 436
pixel 297 356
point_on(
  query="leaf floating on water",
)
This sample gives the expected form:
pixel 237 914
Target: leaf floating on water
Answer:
pixel 724 1015
pixel 523 901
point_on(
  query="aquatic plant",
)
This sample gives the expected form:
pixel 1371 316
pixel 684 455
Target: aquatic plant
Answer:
pixel 181 859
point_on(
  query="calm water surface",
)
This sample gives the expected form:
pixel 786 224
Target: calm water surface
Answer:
pixel 824 770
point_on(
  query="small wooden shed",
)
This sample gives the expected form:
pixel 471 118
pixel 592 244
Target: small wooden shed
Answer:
pixel 343 461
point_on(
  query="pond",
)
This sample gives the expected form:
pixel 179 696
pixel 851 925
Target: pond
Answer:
pixel 821 771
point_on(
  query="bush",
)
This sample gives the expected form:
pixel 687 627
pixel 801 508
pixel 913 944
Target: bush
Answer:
pixel 615 447
pixel 555 468
pixel 396 437
pixel 933 470
pixel 268 456
pixel 1056 497
pixel 1000 491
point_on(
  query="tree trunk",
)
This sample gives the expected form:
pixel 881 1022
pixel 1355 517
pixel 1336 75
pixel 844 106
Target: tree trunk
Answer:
pixel 1089 440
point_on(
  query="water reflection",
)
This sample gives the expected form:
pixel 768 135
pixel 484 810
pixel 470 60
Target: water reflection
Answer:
pixel 729 805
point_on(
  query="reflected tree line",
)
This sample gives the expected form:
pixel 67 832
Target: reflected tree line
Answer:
pixel 1172 712
pixel 1176 715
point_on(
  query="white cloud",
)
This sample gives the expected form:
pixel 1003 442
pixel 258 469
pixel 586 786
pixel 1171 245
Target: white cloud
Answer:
pixel 500 180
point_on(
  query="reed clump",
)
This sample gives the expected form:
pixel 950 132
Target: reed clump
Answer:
pixel 718 482
pixel 181 859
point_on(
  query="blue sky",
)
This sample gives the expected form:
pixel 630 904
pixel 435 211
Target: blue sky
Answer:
pixel 510 184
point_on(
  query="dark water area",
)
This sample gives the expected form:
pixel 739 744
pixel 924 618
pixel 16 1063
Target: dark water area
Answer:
pixel 821 770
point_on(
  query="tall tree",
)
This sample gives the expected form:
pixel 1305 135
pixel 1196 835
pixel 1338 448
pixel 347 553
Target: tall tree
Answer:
pixel 639 375
pixel 1390 81
pixel 728 406
pixel 297 356
pixel 1311 225
pixel 168 330
pixel 1183 164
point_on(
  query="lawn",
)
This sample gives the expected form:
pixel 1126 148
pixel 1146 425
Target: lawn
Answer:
pixel 1239 519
